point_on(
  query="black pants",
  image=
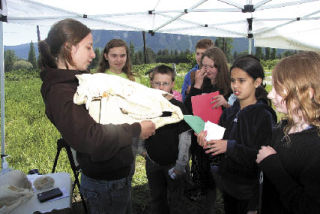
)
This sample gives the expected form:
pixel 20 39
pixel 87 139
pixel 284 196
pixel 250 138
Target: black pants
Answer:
pixel 235 206
pixel 165 192
pixel 200 168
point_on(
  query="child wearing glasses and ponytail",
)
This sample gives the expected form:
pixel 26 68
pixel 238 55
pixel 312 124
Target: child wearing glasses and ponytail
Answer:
pixel 167 151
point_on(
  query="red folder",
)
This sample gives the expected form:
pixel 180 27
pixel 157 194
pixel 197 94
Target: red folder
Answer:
pixel 202 107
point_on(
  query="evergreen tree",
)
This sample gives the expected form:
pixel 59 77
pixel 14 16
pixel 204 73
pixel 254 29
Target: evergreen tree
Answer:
pixel 151 56
pixel 139 59
pixel 273 53
pixel 187 52
pixel 235 55
pixel 218 42
pixel 9 59
pixel 225 44
pixel 131 50
pixel 288 53
pixel 267 54
pixel 96 60
pixel 165 52
pixel 259 53
pixel 32 56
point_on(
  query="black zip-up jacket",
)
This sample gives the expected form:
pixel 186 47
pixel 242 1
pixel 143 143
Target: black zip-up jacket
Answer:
pixel 246 131
pixel 292 175
pixel 103 151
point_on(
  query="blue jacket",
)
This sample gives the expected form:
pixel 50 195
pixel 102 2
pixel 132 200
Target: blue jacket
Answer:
pixel 187 81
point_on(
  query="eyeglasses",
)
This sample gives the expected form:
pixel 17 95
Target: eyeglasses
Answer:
pixel 158 84
pixel 210 66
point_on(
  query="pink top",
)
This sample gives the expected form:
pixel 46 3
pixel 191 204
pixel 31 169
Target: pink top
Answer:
pixel 177 95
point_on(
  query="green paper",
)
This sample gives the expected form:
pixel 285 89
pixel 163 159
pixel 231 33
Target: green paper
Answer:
pixel 195 122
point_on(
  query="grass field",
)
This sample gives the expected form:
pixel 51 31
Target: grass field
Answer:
pixel 30 139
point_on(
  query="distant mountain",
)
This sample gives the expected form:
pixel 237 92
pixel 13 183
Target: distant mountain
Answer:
pixel 22 51
pixel 157 42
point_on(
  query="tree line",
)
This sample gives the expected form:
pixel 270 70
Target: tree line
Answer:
pixel 12 62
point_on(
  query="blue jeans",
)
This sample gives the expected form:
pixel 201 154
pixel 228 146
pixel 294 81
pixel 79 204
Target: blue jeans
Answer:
pixel 106 197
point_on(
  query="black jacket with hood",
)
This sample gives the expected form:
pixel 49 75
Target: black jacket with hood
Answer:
pixel 103 151
pixel 247 130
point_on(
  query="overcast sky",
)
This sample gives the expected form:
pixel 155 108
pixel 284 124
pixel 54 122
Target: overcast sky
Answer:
pixel 15 34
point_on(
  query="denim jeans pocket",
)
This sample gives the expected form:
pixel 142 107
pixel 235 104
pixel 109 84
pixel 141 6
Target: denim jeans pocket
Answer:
pixel 96 201
pixel 106 196
pixel 119 185
pixel 119 191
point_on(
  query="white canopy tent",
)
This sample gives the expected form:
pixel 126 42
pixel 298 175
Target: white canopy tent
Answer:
pixel 287 24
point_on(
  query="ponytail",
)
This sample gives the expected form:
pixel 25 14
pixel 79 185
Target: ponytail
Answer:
pixel 45 57
pixel 262 94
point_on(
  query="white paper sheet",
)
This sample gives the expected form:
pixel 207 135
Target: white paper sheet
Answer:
pixel 214 131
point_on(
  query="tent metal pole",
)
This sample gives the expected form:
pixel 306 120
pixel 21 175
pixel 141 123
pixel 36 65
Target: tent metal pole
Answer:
pixel 250 46
pixel 38 33
pixel 2 96
pixel 144 47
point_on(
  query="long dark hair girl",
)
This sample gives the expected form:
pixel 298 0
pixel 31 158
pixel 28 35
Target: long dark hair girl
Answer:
pixel 104 64
pixel 251 65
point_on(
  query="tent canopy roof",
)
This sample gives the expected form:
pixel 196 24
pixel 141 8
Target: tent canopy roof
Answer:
pixel 291 24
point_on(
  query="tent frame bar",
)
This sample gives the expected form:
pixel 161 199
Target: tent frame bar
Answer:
pixel 2 97
pixel 178 16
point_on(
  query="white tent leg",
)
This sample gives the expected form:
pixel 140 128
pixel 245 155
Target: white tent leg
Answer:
pixel 2 94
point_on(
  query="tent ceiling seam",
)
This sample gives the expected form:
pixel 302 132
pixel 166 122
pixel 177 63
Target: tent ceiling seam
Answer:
pixel 178 16
pixel 287 23
pixel 287 4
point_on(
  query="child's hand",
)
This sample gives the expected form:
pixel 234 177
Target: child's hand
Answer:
pixel 148 128
pixel 175 174
pixel 216 147
pixel 199 76
pixel 218 101
pixel 201 138
pixel 264 152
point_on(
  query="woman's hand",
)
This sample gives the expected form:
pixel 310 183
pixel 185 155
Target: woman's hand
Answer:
pixel 148 128
pixel 199 76
pixel 216 147
pixel 264 152
pixel 201 138
pixel 218 101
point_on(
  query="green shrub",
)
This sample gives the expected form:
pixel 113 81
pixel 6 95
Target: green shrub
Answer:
pixel 22 65
pixel 269 64
pixel 16 75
